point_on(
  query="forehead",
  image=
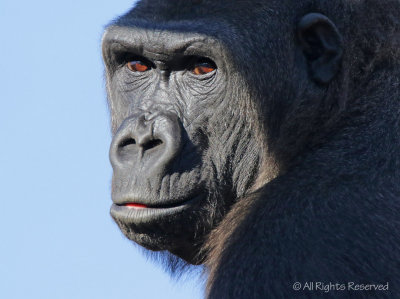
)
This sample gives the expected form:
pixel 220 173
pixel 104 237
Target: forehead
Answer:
pixel 177 37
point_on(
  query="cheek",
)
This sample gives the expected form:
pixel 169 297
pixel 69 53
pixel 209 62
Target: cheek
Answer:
pixel 128 92
pixel 120 110
pixel 197 93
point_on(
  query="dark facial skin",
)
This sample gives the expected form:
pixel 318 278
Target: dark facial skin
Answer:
pixel 165 89
pixel 261 139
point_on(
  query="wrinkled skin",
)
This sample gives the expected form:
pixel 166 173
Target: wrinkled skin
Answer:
pixel 260 138
pixel 204 122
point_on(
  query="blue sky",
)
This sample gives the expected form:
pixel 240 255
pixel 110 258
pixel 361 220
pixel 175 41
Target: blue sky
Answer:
pixel 57 238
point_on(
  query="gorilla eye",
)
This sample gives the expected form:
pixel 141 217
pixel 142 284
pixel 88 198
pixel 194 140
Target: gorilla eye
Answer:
pixel 137 66
pixel 203 67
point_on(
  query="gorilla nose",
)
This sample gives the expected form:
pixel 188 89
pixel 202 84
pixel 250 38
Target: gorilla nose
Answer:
pixel 146 142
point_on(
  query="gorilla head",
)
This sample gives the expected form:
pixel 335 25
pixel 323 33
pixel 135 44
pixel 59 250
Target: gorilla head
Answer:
pixel 185 118
pixel 250 112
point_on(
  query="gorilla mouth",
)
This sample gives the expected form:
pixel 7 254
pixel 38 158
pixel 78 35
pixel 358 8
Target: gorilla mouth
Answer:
pixel 138 213
pixel 135 205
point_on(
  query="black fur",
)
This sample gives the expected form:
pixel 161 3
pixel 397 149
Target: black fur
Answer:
pixel 286 159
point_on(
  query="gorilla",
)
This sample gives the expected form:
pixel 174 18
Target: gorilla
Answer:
pixel 260 139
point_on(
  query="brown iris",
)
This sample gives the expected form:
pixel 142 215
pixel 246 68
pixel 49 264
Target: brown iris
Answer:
pixel 137 66
pixel 203 68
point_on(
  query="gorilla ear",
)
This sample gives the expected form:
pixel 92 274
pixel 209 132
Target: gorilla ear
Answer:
pixel 321 43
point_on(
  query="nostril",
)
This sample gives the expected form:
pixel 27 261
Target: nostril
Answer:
pixel 130 144
pixel 151 144
pixel 127 142
pixel 126 149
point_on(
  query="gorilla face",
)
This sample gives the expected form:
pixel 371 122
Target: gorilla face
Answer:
pixel 179 125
